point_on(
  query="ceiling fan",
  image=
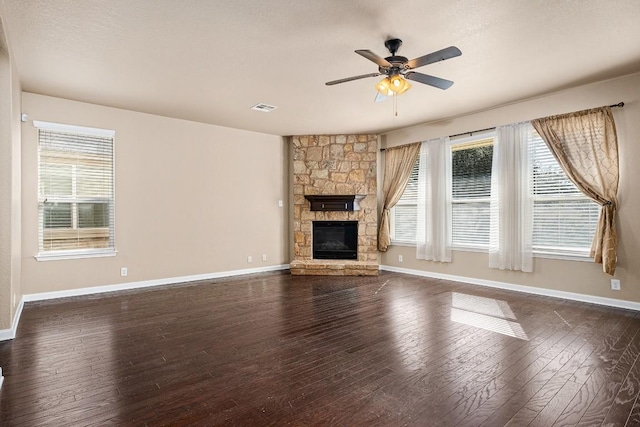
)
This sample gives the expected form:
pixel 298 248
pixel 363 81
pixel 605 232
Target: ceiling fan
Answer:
pixel 398 68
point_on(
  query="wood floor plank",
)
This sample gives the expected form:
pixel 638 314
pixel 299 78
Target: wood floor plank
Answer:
pixel 594 373
pixel 556 405
pixel 525 395
pixel 482 380
pixel 275 349
pixel 634 417
pixel 484 403
pixel 603 401
pixel 626 397
pixel 547 402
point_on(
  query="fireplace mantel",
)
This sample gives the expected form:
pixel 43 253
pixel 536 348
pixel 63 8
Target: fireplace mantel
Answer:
pixel 337 202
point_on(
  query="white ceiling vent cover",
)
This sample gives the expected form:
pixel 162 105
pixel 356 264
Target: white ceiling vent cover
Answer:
pixel 265 108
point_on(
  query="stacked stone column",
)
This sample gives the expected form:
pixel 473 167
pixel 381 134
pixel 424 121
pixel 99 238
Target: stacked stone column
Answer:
pixel 335 165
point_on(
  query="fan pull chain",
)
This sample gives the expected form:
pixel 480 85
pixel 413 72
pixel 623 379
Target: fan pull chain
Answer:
pixel 395 105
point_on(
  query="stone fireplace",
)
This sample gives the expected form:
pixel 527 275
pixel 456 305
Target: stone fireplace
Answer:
pixel 330 166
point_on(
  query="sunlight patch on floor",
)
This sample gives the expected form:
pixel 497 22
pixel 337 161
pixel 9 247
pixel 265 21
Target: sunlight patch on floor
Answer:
pixel 486 313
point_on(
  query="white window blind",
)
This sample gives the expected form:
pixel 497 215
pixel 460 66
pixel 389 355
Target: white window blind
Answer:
pixel 405 212
pixel 471 193
pixel 76 195
pixel 564 219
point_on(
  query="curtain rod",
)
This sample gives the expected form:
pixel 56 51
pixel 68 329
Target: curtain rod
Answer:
pixel 619 104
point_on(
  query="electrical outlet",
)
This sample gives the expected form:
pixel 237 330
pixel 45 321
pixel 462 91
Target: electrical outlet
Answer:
pixel 124 271
pixel 249 258
pixel 264 257
pixel 399 258
pixel 280 204
pixel 615 284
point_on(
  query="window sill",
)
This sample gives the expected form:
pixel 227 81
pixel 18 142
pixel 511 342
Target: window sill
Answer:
pixel 562 257
pixel 400 243
pixel 536 254
pixel 74 255
pixel 469 249
pixel 453 248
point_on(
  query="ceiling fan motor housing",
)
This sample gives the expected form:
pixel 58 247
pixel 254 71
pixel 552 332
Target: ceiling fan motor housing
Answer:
pixel 398 64
pixel 393 45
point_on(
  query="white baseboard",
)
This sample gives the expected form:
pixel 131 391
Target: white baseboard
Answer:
pixel 8 334
pixel 148 283
pixel 611 302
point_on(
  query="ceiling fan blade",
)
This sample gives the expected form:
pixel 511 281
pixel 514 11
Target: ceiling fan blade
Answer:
pixel 348 79
pixel 429 80
pixel 440 55
pixel 375 58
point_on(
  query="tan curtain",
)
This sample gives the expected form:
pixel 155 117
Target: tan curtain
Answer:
pixel 586 147
pixel 398 163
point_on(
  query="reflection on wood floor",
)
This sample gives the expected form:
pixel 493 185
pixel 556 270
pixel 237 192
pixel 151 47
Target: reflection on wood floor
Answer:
pixel 276 349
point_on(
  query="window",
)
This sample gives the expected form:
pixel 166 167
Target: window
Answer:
pixel 471 188
pixel 404 215
pixel 75 180
pixel 564 219
pixel 471 192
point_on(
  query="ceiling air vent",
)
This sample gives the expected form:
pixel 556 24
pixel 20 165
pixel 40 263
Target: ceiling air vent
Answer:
pixel 265 108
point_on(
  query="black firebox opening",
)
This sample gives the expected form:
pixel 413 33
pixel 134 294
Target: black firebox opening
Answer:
pixel 335 239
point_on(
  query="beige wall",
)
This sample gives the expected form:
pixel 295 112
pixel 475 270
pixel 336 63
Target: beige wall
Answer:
pixel 10 257
pixel 16 190
pixel 571 276
pixel 203 181
pixel 191 198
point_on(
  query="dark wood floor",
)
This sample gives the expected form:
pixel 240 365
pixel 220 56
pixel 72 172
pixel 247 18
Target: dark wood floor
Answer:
pixel 272 349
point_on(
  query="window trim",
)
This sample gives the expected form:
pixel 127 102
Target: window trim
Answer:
pixel 392 226
pixel 58 127
pixel 469 248
pixel 90 252
pixel 562 256
pixel 74 254
pixel 479 139
pixel 392 214
pixel 555 252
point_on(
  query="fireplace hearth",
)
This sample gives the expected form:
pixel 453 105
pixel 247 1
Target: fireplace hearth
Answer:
pixel 335 240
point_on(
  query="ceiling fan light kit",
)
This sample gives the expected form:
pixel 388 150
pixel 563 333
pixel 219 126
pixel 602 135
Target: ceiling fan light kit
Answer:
pixel 397 69
pixel 394 85
pixel 384 87
pixel 398 84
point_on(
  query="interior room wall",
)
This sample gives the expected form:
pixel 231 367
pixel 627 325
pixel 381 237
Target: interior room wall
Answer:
pixel 16 189
pixel 191 198
pixel 10 256
pixel 564 275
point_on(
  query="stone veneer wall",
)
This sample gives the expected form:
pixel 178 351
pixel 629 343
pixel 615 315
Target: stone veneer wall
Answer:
pixel 334 165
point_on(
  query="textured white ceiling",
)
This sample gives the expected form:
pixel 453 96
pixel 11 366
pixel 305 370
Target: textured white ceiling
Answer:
pixel 211 60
